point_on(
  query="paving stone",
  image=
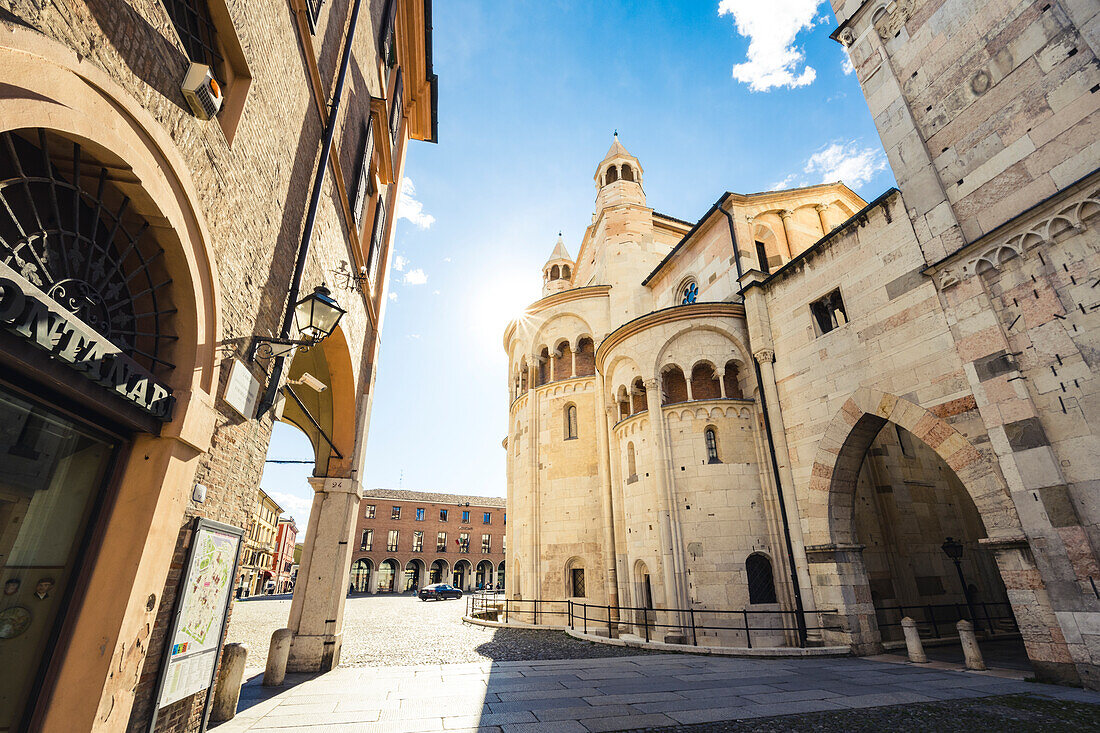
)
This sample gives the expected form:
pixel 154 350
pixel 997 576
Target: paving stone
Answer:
pixel 627 721
pixel 584 711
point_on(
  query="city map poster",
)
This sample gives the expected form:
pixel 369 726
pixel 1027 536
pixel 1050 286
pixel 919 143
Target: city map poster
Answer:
pixel 195 638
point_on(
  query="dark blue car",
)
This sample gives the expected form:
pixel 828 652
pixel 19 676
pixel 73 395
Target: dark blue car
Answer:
pixel 439 591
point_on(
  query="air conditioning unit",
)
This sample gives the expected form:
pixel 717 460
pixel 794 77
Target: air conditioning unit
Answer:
pixel 202 91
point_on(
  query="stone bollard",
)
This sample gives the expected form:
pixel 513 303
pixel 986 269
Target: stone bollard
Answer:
pixel 276 657
pixel 970 646
pixel 227 688
pixel 912 641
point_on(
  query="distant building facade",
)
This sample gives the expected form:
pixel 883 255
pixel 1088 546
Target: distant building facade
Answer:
pixel 802 401
pixel 257 563
pixel 282 559
pixel 409 539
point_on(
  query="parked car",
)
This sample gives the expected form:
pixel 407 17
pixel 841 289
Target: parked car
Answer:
pixel 439 591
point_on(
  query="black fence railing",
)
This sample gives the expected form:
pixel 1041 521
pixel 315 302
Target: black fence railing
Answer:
pixel 936 620
pixel 493 606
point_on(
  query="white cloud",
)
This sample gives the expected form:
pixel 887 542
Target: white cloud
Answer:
pixel 295 506
pixel 846 162
pixel 435 292
pixel 414 336
pixel 393 296
pixel 415 277
pixel 771 27
pixel 846 63
pixel 400 263
pixel 409 208
pixel 788 182
pixel 446 259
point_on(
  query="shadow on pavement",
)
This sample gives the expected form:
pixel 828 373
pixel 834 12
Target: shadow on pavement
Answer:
pixel 253 692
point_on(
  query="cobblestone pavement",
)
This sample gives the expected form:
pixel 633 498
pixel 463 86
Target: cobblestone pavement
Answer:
pixel 672 691
pixel 386 630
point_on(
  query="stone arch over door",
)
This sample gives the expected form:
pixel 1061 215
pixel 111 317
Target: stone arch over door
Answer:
pixel 835 557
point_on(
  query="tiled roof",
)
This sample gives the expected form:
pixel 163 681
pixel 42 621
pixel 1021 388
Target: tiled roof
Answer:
pixel 431 498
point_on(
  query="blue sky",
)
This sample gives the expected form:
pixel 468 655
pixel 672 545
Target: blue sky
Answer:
pixel 529 93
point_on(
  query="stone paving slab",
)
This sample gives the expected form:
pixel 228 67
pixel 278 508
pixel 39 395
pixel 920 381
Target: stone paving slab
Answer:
pixel 606 695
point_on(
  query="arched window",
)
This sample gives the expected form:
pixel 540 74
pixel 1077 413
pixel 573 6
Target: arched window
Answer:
pixel 574 578
pixel 631 464
pixel 732 383
pixel 570 422
pixel 689 293
pixel 628 174
pixel 624 404
pixel 673 386
pixel 612 175
pixel 565 272
pixel 711 436
pixel 563 361
pixel 544 366
pixel 555 273
pixel 758 570
pixel 586 357
pixel 704 385
pixel 523 376
pixel 640 400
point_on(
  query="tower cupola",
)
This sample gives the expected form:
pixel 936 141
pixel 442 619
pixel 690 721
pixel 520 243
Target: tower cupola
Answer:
pixel 618 178
pixel 557 273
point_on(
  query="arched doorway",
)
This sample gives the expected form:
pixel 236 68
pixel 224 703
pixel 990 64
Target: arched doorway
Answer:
pixel 387 574
pixel 896 482
pixel 360 575
pixel 413 572
pixel 484 576
pixel 461 576
pixel 438 572
pixel 500 576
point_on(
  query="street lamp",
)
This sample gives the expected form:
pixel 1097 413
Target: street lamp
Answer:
pixel 954 550
pixel 316 317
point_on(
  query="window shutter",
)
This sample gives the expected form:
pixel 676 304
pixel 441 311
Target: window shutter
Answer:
pixel 396 109
pixel 379 232
pixel 365 186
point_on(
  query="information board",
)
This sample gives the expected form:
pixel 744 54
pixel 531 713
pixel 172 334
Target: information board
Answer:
pixel 194 641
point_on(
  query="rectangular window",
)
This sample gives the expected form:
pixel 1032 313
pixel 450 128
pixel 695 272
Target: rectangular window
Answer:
pixel 762 256
pixel 374 256
pixel 828 313
pixel 418 541
pixel 391 543
pixel 504 543
pixel 464 542
pixel 487 518
pixel 370 511
pixel 485 543
pixel 368 540
pixel 198 33
pixel 443 515
pixel 506 517
pixel 466 517
pixel 441 542
pixel 395 513
pixel 420 514
pixel 576 576
pixel 365 186
pixel 397 109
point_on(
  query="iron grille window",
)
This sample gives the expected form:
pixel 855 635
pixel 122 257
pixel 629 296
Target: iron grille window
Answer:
pixel 487 518
pixel 395 513
pixel 365 186
pixel 443 515
pixel 370 511
pixel 420 514
pixel 197 32
pixel 485 543
pixel 464 542
pixel 418 541
pixel 391 542
pixel 712 446
pixel 576 580
pixel 441 542
pixel 374 258
pixel 466 517
pixel 368 540
pixel 758 570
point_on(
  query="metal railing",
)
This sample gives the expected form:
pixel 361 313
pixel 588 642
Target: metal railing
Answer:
pixel 937 618
pixel 493 606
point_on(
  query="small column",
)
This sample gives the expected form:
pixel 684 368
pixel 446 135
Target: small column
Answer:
pixel 720 375
pixel 550 367
pixel 913 643
pixel 227 689
pixel 277 655
pixel 821 209
pixel 786 215
pixel 573 362
pixel 687 381
pixel 971 651
pixel 607 509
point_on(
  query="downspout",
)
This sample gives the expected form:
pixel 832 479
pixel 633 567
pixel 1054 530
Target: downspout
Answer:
pixel 800 611
pixel 268 398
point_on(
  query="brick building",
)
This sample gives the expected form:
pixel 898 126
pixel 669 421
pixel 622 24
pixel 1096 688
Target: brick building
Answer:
pixel 807 406
pixel 143 249
pixel 412 538
pixel 282 559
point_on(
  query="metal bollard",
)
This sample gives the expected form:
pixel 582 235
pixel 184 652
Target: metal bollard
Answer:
pixel 227 688
pixel 970 646
pixel 277 655
pixel 912 641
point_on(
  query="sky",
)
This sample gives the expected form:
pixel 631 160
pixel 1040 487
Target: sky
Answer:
pixel 710 96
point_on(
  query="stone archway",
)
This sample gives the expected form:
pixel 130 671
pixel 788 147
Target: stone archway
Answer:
pixel 836 559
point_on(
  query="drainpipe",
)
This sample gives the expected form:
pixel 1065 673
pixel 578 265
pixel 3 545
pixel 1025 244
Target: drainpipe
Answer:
pixel 800 611
pixel 268 398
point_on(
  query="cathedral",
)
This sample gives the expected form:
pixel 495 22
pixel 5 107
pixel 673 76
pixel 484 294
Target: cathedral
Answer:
pixel 832 413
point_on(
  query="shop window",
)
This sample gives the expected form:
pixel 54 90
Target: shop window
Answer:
pixel 828 313
pixel 441 542
pixel 466 517
pixel 711 438
pixel 487 518
pixel 418 541
pixel 395 513
pixel 443 515
pixel 391 541
pixel 420 514
pixel 367 541
pixel 485 544
pixel 570 422
pixel 761 582
pixel 464 542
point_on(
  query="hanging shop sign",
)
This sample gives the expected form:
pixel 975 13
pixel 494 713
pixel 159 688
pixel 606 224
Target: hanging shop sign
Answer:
pixel 33 316
pixel 195 637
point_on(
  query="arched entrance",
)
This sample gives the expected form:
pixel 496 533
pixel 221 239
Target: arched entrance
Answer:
pixel 360 575
pixel 438 572
pixel 414 570
pixel 387 574
pixel 894 482
pixel 461 576
pixel 500 576
pixel 484 576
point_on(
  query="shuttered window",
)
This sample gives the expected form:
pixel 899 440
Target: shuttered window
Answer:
pixel 365 186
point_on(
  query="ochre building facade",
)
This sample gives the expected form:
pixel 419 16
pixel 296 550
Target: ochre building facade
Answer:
pixel 143 249
pixel 800 402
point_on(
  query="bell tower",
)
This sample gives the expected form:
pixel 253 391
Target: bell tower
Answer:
pixel 618 178
pixel 557 273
